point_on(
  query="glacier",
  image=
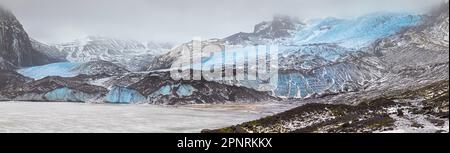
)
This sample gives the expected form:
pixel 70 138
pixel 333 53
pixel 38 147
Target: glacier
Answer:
pixel 124 95
pixel 68 95
pixel 59 95
pixel 127 95
pixel 308 60
pixel 354 33
pixel 329 38
pixel 62 69
pixel 181 90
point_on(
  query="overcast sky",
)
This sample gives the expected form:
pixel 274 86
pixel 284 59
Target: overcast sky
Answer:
pixel 55 21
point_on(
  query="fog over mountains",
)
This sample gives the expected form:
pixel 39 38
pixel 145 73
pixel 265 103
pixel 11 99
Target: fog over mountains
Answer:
pixel 179 21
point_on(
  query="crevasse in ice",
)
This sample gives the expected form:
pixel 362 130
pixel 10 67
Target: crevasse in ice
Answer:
pixel 354 33
pixel 124 95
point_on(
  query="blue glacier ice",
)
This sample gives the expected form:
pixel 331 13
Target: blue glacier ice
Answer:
pixel 124 95
pixel 62 69
pixel 163 91
pixel 236 56
pixel 355 33
pixel 182 90
pixel 349 34
pixel 68 95
pixel 185 90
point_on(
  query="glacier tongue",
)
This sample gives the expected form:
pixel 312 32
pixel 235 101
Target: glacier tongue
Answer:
pixel 62 69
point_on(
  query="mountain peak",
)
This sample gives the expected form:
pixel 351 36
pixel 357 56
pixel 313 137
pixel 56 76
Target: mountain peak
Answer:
pixel 281 26
pixel 15 45
pixel 278 27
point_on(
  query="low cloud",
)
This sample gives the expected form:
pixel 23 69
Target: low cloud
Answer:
pixel 55 21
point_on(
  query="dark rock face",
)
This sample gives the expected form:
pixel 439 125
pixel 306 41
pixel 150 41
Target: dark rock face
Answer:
pixel 15 48
pixel 52 52
pixel 280 26
pixel 10 79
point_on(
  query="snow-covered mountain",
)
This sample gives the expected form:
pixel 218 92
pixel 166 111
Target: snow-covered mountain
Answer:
pixel 275 31
pixel 375 73
pixel 410 96
pixel 49 50
pixel 316 56
pixel 130 54
pixel 355 32
pixel 328 38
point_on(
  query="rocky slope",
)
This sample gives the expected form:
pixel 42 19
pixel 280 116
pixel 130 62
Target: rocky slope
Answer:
pixel 16 50
pixel 421 110
pixel 49 50
pixel 9 78
pixel 411 95
pixel 417 55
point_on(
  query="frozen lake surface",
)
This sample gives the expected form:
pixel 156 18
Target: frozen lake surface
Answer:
pixel 82 117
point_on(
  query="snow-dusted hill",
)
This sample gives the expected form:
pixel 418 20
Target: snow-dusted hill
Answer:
pixel 130 54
